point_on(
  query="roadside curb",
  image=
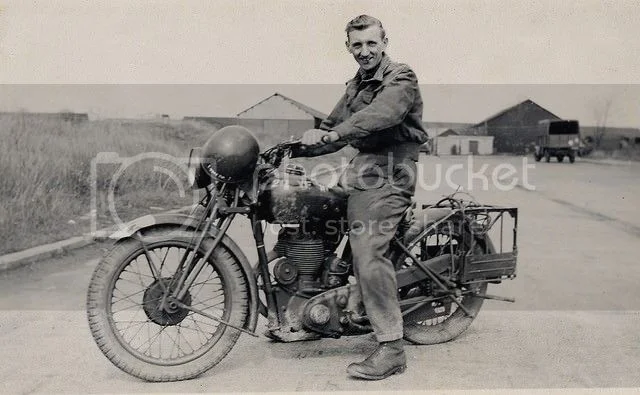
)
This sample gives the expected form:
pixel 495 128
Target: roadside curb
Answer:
pixel 609 162
pixel 21 258
pixel 34 254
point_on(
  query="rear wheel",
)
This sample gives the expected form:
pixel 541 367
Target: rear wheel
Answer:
pixel 547 156
pixel 162 341
pixel 439 321
pixel 572 158
pixel 560 158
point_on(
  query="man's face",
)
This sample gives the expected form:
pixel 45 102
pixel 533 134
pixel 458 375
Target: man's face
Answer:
pixel 367 46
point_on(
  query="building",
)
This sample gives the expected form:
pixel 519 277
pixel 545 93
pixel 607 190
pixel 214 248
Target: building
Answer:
pixel 279 117
pixel 446 141
pixel 64 116
pixel 273 119
pixel 514 129
pixel 214 122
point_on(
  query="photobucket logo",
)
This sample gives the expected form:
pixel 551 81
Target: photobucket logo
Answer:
pixel 503 177
pixel 467 176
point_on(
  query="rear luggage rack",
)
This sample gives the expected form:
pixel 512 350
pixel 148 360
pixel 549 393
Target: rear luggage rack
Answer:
pixel 498 262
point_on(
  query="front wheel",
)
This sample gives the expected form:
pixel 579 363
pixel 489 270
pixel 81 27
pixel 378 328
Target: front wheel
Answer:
pixel 155 340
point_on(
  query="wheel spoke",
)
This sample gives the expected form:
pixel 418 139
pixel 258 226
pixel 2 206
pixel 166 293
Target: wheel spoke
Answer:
pixel 128 297
pixel 176 342
pixel 166 254
pixel 199 330
pixel 155 337
pixel 187 341
pixel 202 284
pixel 210 298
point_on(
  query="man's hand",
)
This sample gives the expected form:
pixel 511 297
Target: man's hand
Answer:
pixel 313 137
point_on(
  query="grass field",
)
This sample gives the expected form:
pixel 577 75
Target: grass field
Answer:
pixel 46 174
pixel 46 165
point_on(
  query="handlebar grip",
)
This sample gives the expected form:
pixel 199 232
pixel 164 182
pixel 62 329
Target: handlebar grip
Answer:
pixel 325 139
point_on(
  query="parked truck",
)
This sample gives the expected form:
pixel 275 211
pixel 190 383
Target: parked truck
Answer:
pixel 558 138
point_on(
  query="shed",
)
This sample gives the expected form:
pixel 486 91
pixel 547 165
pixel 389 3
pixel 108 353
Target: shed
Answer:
pixel 446 141
pixel 515 128
pixel 280 117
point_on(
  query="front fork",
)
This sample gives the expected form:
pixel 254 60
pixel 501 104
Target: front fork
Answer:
pixel 174 295
pixel 187 277
pixel 263 266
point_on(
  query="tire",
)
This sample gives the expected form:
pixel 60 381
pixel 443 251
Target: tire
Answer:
pixel 441 329
pixel 126 267
pixel 572 158
pixel 537 157
pixel 560 158
pixel 547 157
pixel 432 332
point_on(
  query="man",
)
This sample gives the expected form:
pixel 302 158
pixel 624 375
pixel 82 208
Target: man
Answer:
pixel 381 115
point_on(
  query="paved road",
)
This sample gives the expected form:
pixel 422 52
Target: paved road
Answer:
pixel 574 325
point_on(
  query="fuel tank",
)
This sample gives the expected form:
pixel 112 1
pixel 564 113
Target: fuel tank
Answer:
pixel 293 199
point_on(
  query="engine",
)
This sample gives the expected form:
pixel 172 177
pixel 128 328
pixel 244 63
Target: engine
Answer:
pixel 312 287
pixel 309 264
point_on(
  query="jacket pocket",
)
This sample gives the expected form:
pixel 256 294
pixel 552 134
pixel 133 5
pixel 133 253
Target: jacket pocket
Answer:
pixel 405 176
pixel 371 176
pixel 367 96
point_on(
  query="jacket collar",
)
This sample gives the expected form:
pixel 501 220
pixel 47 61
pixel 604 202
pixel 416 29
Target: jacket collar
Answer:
pixel 377 76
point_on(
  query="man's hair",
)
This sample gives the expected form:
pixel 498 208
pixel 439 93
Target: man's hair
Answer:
pixel 362 22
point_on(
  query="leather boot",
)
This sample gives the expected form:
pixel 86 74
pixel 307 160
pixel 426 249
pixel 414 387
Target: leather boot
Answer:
pixel 386 360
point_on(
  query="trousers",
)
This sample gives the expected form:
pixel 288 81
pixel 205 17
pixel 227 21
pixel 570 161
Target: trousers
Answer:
pixel 379 190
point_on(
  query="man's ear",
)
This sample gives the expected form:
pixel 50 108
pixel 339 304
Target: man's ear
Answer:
pixel 346 44
pixel 385 42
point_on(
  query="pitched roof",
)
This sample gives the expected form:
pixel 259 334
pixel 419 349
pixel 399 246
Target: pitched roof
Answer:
pixel 314 113
pixel 432 132
pixel 506 110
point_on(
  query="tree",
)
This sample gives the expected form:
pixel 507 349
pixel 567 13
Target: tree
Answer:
pixel 601 113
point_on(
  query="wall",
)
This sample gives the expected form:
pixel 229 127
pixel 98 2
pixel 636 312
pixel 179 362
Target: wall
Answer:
pixel 445 144
pixel 267 131
pixel 271 131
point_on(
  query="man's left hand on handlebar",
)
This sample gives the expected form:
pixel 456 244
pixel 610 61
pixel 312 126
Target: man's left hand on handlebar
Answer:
pixel 314 137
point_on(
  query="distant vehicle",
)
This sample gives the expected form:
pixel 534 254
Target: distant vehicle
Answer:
pixel 559 138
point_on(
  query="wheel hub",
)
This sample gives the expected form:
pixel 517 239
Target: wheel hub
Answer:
pixel 168 314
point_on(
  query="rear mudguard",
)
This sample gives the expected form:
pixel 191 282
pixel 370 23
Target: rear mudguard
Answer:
pixel 186 222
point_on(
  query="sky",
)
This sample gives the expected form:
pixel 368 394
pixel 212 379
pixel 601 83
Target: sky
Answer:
pixel 473 58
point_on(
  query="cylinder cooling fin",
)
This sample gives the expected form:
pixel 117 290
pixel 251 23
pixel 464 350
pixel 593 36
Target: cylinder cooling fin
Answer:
pixel 306 254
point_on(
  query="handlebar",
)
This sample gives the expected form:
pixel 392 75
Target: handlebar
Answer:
pixel 275 154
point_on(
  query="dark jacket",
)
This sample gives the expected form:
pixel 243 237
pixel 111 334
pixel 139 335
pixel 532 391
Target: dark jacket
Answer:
pixel 378 112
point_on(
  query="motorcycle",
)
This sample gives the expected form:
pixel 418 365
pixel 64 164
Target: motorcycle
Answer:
pixel 173 295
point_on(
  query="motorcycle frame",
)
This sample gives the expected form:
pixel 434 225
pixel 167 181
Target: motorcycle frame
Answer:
pixel 217 208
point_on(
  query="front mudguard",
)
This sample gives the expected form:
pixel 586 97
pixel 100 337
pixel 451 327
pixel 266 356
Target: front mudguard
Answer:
pixel 187 223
